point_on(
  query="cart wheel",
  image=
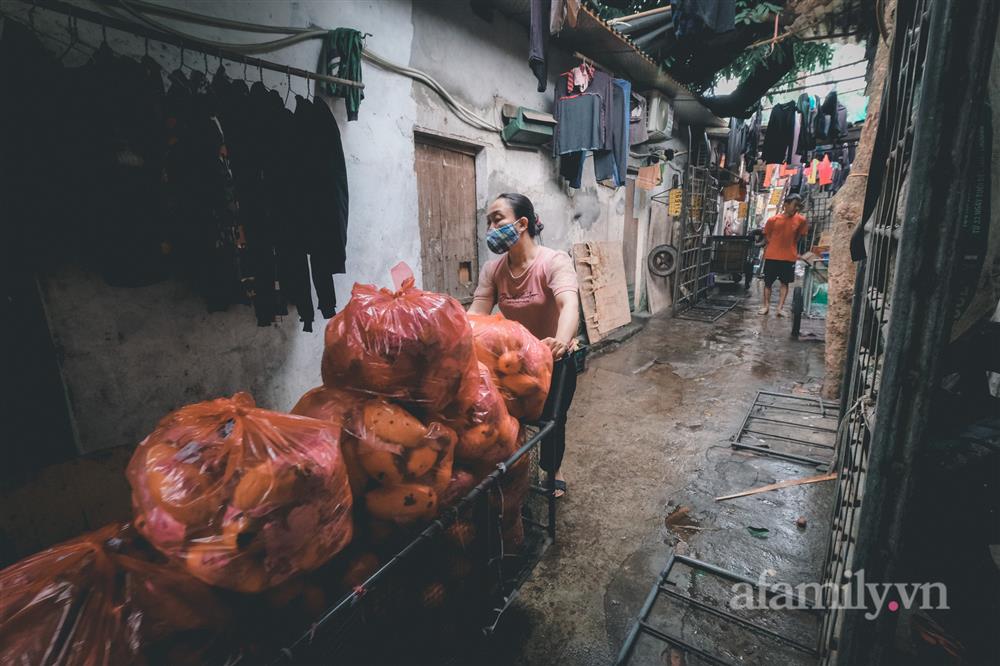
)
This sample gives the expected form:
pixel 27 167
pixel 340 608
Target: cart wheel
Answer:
pixel 662 260
pixel 798 305
pixel 747 275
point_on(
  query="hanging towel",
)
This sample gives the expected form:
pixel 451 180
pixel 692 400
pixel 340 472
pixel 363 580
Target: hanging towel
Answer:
pixel 342 47
pixel 649 177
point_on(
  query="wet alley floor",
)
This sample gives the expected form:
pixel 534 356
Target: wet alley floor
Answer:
pixel 648 451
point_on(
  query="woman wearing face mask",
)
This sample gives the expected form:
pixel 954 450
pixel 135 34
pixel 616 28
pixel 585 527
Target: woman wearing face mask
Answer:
pixel 536 286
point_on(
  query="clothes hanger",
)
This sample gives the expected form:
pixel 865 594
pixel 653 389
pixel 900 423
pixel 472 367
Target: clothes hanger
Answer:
pixel 288 90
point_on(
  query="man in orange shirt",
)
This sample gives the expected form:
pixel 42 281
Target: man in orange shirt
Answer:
pixel 782 233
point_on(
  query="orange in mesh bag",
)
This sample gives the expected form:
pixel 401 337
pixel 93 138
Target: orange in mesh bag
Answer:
pixel 520 364
pixel 409 462
pixel 103 599
pixel 244 497
pixel 410 345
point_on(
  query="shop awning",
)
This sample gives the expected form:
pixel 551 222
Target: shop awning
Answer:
pixel 595 39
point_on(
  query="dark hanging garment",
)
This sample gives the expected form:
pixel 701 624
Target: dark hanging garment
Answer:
pixel 807 141
pixel 736 143
pixel 611 164
pixel 752 145
pixel 538 41
pixel 780 131
pixel 327 233
pixel 297 187
pixel 123 103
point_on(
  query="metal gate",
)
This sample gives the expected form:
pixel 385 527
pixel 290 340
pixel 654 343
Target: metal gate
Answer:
pixel 940 53
pixel 698 217
pixel 818 215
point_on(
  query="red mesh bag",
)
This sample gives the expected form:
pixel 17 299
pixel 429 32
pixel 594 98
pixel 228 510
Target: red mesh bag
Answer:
pixel 103 599
pixel 409 462
pixel 520 364
pixel 411 345
pixel 487 433
pixel 244 497
pixel 337 407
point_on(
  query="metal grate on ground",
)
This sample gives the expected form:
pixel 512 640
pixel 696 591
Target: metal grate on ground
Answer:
pixel 690 617
pixel 710 309
pixel 796 428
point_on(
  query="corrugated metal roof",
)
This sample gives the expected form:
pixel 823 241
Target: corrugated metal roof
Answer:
pixel 595 39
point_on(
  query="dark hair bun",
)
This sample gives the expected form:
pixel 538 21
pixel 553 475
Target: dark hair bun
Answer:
pixel 538 224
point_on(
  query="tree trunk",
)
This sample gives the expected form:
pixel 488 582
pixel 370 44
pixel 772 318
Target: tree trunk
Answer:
pixel 847 208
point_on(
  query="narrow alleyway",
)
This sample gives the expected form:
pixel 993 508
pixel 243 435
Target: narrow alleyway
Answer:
pixel 649 437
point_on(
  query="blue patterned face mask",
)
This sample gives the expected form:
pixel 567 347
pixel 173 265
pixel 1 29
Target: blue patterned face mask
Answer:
pixel 501 239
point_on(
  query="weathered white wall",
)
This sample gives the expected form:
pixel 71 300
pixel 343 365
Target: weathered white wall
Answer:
pixel 132 355
pixel 485 64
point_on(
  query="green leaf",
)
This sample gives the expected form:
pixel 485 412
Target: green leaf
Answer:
pixel 758 532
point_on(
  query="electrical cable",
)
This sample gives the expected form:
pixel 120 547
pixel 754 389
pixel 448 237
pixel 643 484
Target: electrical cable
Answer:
pixel 260 47
pixel 462 112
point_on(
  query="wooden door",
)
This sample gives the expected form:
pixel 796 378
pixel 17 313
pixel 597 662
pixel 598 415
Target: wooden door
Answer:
pixel 446 194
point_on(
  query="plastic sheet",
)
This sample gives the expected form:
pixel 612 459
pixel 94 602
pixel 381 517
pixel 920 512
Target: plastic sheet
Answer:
pixel 520 364
pixel 243 497
pixel 103 599
pixel 413 346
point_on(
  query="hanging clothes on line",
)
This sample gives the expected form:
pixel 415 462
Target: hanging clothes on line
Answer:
pixel 207 181
pixel 592 115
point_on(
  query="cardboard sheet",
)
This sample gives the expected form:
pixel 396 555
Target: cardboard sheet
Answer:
pixel 600 270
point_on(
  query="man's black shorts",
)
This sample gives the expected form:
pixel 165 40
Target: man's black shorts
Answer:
pixel 778 270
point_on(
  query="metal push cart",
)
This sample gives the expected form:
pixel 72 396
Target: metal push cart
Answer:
pixel 442 590
pixel 731 259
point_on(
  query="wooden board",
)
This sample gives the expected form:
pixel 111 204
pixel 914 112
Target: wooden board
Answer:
pixel 446 196
pixel 600 270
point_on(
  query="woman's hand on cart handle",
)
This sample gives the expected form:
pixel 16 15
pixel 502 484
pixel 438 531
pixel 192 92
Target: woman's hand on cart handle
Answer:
pixel 558 347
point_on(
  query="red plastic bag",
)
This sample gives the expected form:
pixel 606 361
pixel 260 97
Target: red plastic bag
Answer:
pixel 244 497
pixel 487 433
pixel 411 345
pixel 102 599
pixel 409 462
pixel 520 364
pixel 337 407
